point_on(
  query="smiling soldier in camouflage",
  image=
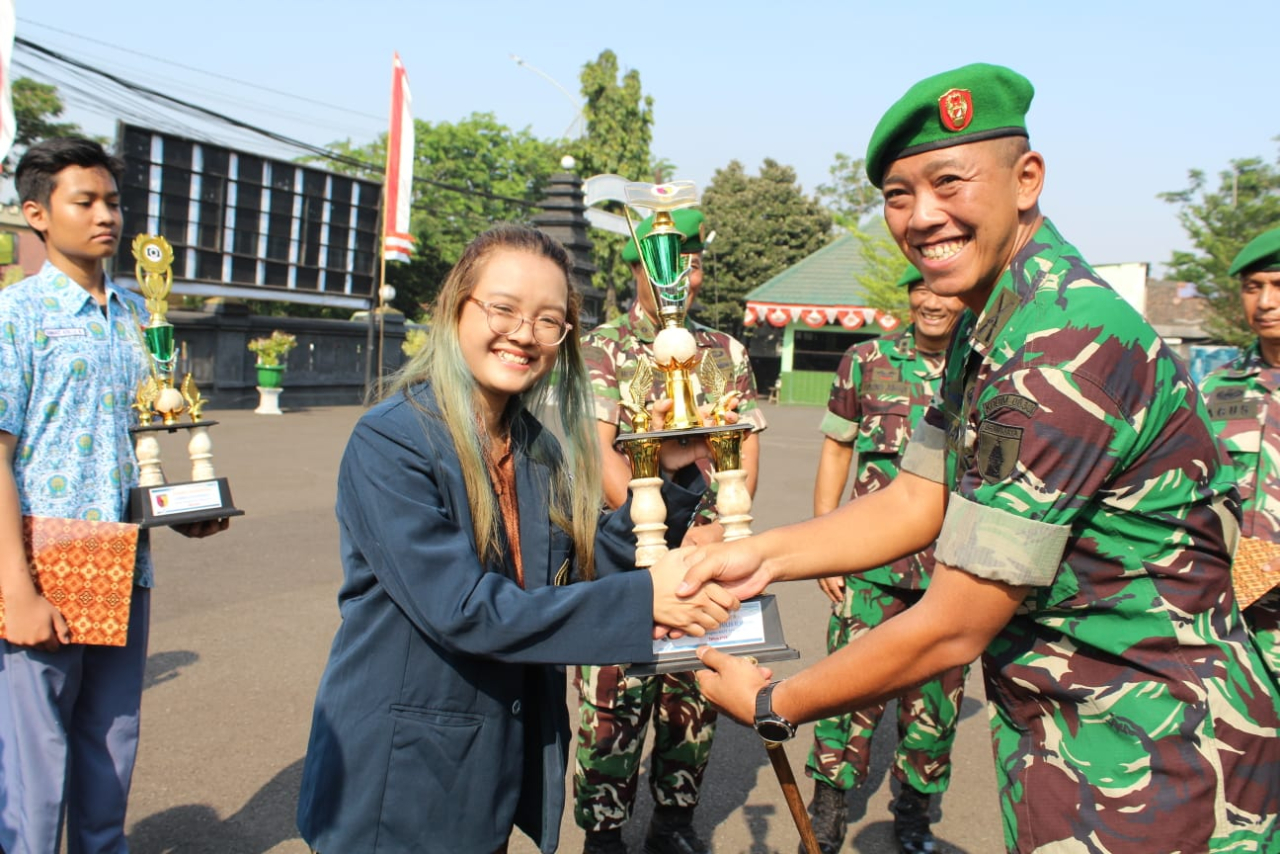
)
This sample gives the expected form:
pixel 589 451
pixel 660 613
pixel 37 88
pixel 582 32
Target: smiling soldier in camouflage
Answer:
pixel 881 390
pixel 1085 520
pixel 1244 404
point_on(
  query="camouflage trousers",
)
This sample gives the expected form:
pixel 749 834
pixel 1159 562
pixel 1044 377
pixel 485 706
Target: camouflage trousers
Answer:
pixel 1263 618
pixel 615 710
pixel 927 714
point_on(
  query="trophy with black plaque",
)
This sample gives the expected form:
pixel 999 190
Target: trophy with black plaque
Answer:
pixel 756 630
pixel 155 501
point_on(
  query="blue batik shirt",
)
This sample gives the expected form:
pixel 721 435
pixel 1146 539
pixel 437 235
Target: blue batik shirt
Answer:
pixel 68 373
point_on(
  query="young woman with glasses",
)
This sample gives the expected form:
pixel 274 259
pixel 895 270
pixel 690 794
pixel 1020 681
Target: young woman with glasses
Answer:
pixel 440 722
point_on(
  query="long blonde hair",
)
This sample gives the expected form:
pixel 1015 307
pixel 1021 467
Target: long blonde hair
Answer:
pixel 576 488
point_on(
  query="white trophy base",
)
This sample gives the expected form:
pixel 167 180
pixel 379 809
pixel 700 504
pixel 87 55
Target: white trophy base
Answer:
pixel 648 517
pixel 733 504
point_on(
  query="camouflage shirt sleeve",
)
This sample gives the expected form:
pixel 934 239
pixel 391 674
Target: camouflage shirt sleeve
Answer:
pixel 744 381
pixel 840 422
pixel 601 353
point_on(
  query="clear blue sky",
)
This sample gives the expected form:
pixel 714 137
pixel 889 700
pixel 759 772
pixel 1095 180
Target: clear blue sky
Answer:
pixel 1129 95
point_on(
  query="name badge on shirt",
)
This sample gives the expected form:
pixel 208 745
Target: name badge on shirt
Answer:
pixel 67 332
pixel 1232 404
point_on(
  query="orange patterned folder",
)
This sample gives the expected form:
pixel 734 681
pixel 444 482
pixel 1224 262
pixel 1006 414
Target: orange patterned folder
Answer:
pixel 1247 574
pixel 86 570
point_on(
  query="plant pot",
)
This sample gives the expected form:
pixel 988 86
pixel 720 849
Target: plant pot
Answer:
pixel 270 376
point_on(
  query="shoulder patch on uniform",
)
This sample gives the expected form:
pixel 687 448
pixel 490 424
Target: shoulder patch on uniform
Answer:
pixel 1025 405
pixel 997 451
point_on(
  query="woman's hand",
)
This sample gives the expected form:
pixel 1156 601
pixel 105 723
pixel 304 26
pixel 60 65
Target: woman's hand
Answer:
pixel 695 614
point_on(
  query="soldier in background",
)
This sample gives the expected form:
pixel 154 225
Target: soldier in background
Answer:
pixel 1243 397
pixel 615 707
pixel 1084 515
pixel 881 389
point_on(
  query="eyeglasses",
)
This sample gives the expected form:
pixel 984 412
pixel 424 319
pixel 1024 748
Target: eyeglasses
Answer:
pixel 505 320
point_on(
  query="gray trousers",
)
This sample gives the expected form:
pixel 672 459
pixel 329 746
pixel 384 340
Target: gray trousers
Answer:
pixel 68 740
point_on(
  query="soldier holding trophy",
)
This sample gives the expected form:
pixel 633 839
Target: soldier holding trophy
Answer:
pixel 655 351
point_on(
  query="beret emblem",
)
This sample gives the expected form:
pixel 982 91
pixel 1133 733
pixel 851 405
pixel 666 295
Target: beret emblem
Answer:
pixel 956 109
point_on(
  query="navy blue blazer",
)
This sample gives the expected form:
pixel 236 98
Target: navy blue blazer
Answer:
pixel 440 721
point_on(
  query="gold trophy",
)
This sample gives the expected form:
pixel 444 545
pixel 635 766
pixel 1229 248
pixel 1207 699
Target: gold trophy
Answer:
pixel 675 356
pixel 154 501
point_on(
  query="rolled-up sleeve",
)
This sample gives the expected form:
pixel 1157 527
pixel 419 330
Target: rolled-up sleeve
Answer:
pixel 989 543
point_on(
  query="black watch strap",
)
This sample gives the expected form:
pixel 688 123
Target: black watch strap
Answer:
pixel 770 725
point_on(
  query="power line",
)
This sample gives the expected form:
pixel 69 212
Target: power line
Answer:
pixel 169 62
pixel 315 150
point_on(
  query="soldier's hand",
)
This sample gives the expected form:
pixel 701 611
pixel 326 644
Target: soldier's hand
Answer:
pixel 833 587
pixel 731 683
pixel 694 615
pixel 677 453
pixel 1274 566
pixel 31 620
pixel 739 567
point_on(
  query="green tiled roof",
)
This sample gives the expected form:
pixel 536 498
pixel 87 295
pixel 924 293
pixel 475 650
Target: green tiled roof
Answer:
pixel 824 278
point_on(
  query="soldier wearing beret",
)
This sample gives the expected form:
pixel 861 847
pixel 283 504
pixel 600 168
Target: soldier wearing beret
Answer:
pixel 615 706
pixel 1244 404
pixel 880 391
pixel 1084 515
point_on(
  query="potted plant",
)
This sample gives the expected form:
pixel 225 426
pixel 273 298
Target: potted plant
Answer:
pixel 270 350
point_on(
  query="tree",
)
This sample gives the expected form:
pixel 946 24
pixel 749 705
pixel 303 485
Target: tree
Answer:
pixel 35 106
pixel 850 196
pixel 619 129
pixel 763 225
pixel 468 176
pixel 1220 222
pixel 882 266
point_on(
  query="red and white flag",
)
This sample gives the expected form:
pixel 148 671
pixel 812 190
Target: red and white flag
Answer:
pixel 8 124
pixel 397 242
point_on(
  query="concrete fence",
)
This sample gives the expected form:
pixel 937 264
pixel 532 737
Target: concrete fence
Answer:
pixel 334 363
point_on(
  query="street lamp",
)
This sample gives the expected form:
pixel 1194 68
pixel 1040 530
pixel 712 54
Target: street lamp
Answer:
pixel 577 105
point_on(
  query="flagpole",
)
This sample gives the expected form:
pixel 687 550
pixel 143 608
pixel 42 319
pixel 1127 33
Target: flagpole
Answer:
pixel 382 277
pixel 385 216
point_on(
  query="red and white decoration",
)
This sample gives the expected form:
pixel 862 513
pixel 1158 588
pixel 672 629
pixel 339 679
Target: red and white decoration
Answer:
pixel 817 316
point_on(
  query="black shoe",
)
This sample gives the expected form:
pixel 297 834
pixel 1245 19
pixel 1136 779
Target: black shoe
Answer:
pixel 604 842
pixel 671 832
pixel 830 816
pixel 911 822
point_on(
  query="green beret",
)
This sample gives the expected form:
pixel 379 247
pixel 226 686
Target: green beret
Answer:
pixel 969 104
pixel 909 277
pixel 689 222
pixel 1261 253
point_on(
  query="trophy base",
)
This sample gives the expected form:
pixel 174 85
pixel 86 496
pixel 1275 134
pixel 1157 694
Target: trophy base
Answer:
pixel 683 434
pixel 180 503
pixel 754 631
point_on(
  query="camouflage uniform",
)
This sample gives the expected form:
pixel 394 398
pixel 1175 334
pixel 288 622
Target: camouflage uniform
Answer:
pixel 881 390
pixel 615 707
pixel 1244 405
pixel 1130 709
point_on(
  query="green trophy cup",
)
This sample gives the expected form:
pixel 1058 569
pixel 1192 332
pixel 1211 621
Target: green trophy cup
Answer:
pixel 675 356
pixel 154 501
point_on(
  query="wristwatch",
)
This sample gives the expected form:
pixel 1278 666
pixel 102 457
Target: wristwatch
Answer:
pixel 770 725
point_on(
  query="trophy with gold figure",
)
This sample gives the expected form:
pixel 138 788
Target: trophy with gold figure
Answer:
pixel 676 358
pixel 155 501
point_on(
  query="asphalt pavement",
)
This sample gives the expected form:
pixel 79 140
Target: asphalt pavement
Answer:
pixel 241 626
